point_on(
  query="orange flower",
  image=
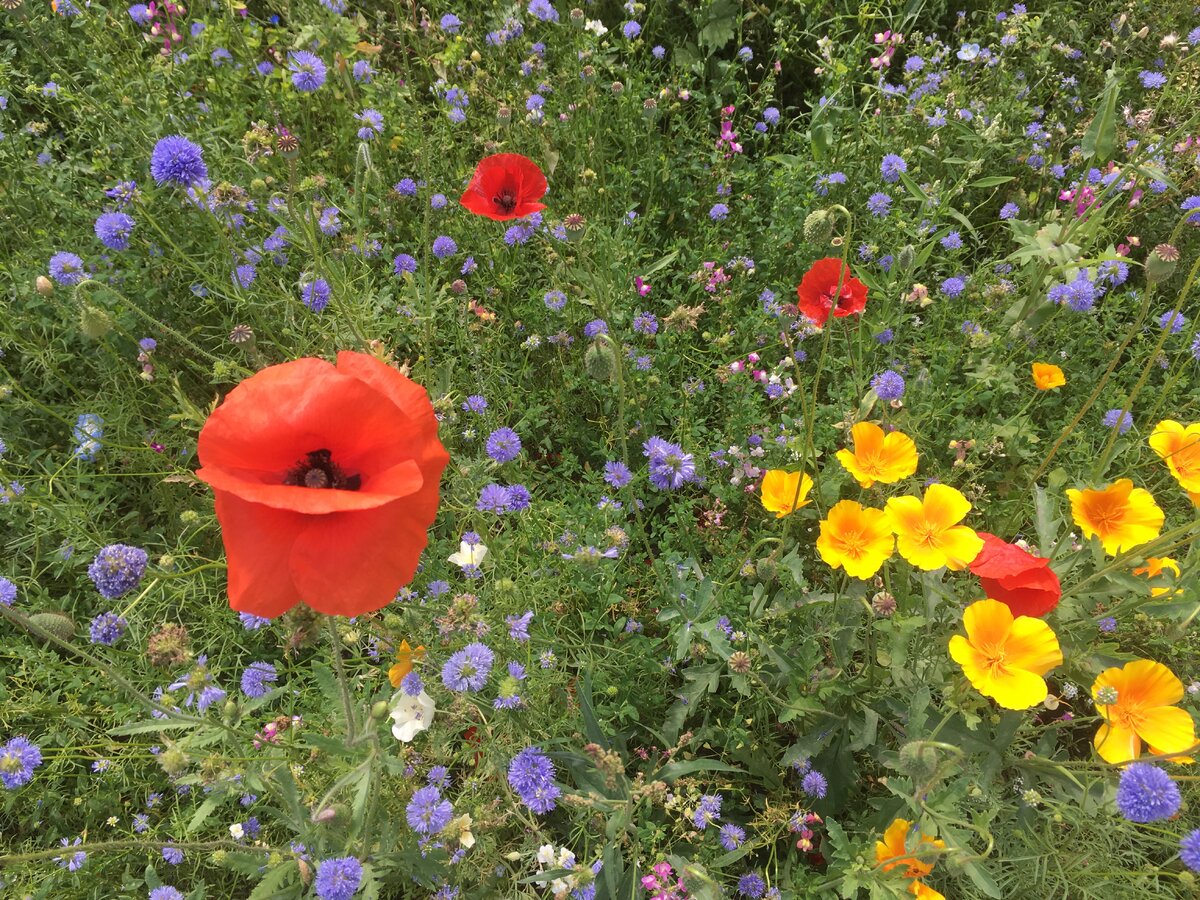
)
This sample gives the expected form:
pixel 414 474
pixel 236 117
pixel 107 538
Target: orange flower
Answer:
pixel 1154 567
pixel 1048 376
pixel 878 457
pixel 855 538
pixel 892 852
pixel 1121 515
pixel 1179 447
pixel 1004 657
pixel 928 533
pixel 780 490
pixel 1137 703
pixel 404 662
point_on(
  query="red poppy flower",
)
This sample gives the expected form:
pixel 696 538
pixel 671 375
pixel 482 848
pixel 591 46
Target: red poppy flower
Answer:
pixel 1021 581
pixel 505 186
pixel 818 291
pixel 326 480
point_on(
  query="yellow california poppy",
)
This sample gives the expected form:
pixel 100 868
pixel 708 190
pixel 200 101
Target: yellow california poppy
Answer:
pixel 1047 376
pixel 1137 703
pixel 404 662
pixel 892 852
pixel 877 456
pixel 781 489
pixel 1121 515
pixel 1004 657
pixel 1154 567
pixel 1179 447
pixel 855 538
pixel 927 531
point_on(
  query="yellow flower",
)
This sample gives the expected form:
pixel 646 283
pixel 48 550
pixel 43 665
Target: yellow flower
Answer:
pixel 404 662
pixel 1005 658
pixel 1179 447
pixel 1121 515
pixel 855 538
pixel 927 531
pixel 1137 703
pixel 1048 376
pixel 879 457
pixel 785 492
pixel 1155 566
pixel 892 852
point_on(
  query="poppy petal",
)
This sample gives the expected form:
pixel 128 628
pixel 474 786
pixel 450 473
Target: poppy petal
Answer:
pixel 1149 684
pixel 1117 745
pixel 258 542
pixel 1033 646
pixel 1168 729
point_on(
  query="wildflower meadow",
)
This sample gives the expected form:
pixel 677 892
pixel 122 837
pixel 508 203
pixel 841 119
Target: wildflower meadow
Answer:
pixel 647 451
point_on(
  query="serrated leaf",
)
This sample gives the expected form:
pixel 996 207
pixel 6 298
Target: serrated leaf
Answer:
pixel 205 810
pixel 1101 136
pixel 274 881
pixel 151 725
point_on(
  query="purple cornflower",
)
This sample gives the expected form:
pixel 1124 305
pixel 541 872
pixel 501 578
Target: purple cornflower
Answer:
pixel 468 669
pixel 518 626
pixel 503 445
pixel 439 777
pixel 752 885
pixel 555 300
pixel 475 403
pixel 952 241
pixel 541 9
pixel 670 467
pixel 403 263
pixel 257 679
pixel 338 879
pixel 892 168
pixel 308 70
pixel 732 836
pixel 814 784
pixel 1189 846
pixel 329 223
pixel 708 811
pixel 617 474
pixel 362 72
pixel 438 201
pixel 427 812
pixel 66 268
pixel 531 775
pixel 372 124
pixel 595 327
pixel 631 30
pixel 244 275
pixel 172 855
pixel 178 160
pixel 140 13
pixel 251 622
pixel 107 628
pixel 75 861
pixel 1151 80
pixel 1146 793
pixel 1009 211
pixel 953 286
pixel 879 205
pixel 886 336
pixel 1119 419
pixel 888 385
pixel 315 294
pixel 117 570
pixel 719 212
pixel 1107 625
pixel 405 187
pixel 1174 318
pixel 1192 203
pixel 8 592
pixel 199 684
pixel 113 228
pixel 18 758
pixel 165 892
pixel 518 497
pixel 493 498
pixel 450 23
pixel 444 246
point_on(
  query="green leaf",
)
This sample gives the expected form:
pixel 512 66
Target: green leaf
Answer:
pixel 674 770
pixel 1101 136
pixel 205 810
pixel 914 188
pixel 151 725
pixel 991 181
pixel 274 881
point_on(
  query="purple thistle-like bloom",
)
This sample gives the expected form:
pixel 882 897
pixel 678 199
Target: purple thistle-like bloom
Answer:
pixel 172 855
pixel 617 474
pixel 251 622
pixel 405 187
pixel 75 861
pixel 107 628
pixel 732 836
pixel 338 879
pixel 554 300
pixel 531 775
pixel 468 669
pixel 315 294
pixel 542 9
pixel 1151 80
pixel 1192 203
pixel 953 286
pixel 670 467
pixel 475 403
pixel 18 758
pixel 1175 319
pixel 518 626
pixel 444 246
pixel 176 159
pixel 372 124
pixel 450 23
pixel 1119 419
pixel 815 785
pixel 362 72
pixel 518 497
pixel 879 204
pixel 645 323
pixel 892 168
pixel 631 30
pixel 8 592
pixel 166 892
pixel 404 263
pixel 1146 793
pixel 257 679
pixel 1009 211
pixel 719 212
pixel 708 811
pixel 888 385
pixel 118 569
pixel 1189 850
pixel 493 498
pixel 66 268
pixel 308 71
pixel 503 445
pixel 113 229
pixel 412 685
pixel 752 885
pixel 245 274
pixel 595 327
pixel 427 812
pixel 140 13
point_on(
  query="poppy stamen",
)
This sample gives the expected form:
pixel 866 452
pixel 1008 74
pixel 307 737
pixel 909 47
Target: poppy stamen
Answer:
pixel 318 470
pixel 505 201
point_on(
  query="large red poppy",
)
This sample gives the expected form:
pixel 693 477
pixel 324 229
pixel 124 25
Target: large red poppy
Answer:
pixel 326 480
pixel 505 186
pixel 819 294
pixel 1021 581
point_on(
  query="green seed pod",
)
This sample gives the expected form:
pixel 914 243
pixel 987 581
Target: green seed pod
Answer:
pixel 918 761
pixel 906 257
pixel 379 711
pixel 818 227
pixel 173 761
pixel 58 624
pixel 94 322
pixel 600 362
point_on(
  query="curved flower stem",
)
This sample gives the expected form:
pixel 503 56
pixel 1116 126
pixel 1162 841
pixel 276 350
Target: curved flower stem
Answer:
pixel 339 668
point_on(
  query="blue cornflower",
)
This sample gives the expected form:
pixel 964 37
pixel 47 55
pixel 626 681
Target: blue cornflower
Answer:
pixel 66 268
pixel 372 124
pixel 814 784
pixel 645 323
pixel 427 812
pixel 245 274
pixel 107 628
pixel 165 892
pixel 475 403
pixel 251 622
pixel 555 300
pixel 308 70
pixel 493 498
pixel 178 160
pixel 265 68
pixel 1107 625
pixel 535 102
pixel 631 30
pixel 405 187
pixel 1146 793
pixel 403 263
pixel 338 879
pixel 87 432
pixel 315 294
pixel 118 569
pixel 595 327
pixel 503 445
pixel 732 836
pixel 708 811
pixel 542 9
pixel 952 241
pixel 886 336
pixel 362 72
pixel 953 286
pixel 1118 419
pixel 518 497
pixel 1189 846
pixel 670 467
pixel 531 775
pixel 172 855
pixel 888 385
pixel 745 54
pixel 444 246
pixel 1151 80
pixel 1189 204
pixel 892 168
pixel 518 626
pixel 617 474
pixel 1009 211
pixel 257 678
pixel 719 212
pixel 140 13
pixel 468 669
pixel 659 51
pixel 18 758
pixel 113 228
pixel 8 592
pixel 752 885
pixel 328 222
pixel 74 862
pixel 438 201
pixel 1175 319
pixel 879 204
pixel 450 23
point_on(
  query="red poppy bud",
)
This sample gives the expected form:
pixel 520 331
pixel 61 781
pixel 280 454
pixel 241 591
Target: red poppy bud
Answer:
pixel 819 289
pixel 505 186
pixel 326 480
pixel 1021 581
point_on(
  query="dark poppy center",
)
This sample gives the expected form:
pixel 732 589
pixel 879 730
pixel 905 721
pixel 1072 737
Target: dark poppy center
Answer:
pixel 318 470
pixel 506 201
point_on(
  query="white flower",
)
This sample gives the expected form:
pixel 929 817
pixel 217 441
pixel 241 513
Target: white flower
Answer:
pixel 411 715
pixel 596 27
pixel 468 554
pixel 545 854
pixel 463 825
pixel 237 831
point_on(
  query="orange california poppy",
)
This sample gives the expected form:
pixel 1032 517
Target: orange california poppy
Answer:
pixel 855 538
pixel 828 287
pixel 892 853
pixel 325 481
pixel 505 186
pixel 1154 568
pixel 877 456
pixel 927 531
pixel 1121 515
pixel 1137 704
pixel 1005 657
pixel 785 492
pixel 404 662
pixel 1179 447
pixel 1047 376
